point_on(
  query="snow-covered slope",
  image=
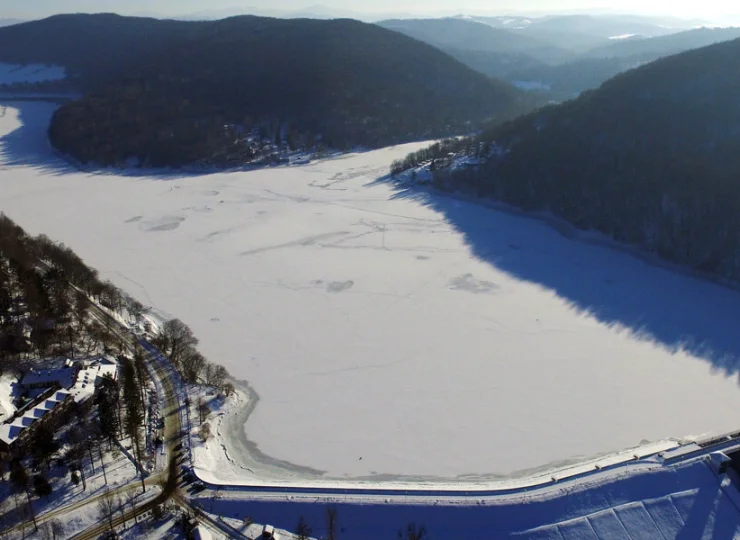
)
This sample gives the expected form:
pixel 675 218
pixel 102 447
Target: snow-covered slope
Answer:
pixel 30 73
pixel 378 343
pixel 688 501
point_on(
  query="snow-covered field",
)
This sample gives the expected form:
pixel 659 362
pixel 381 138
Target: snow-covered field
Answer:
pixel 384 335
pixel 30 73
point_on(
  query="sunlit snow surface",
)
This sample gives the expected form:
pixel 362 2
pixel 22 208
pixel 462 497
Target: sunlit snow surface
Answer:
pixel 30 73
pixel 392 332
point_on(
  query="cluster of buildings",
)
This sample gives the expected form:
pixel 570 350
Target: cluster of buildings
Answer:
pixel 51 394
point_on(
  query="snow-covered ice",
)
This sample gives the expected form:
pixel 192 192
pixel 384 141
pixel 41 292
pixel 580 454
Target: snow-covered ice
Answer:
pixel 30 73
pixel 389 334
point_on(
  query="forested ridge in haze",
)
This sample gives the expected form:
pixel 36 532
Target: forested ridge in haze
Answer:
pixel 184 93
pixel 651 159
pixel 558 57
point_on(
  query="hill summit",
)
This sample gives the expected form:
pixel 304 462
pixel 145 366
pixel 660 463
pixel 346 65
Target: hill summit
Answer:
pixel 182 92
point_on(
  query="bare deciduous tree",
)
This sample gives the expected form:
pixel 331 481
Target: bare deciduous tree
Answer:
pixel 203 410
pixel 303 531
pixel 413 532
pixel 52 530
pixel 131 498
pixel 175 339
pixel 331 523
pixel 215 375
pixel 193 364
pixel 57 529
pixel 121 504
pixel 205 431
pixel 228 389
pixel 107 508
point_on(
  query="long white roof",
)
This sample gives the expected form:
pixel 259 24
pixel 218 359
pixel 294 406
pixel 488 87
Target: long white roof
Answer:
pixel 10 431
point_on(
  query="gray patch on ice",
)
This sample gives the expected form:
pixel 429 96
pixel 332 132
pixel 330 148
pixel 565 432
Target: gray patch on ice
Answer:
pixel 166 223
pixel 422 258
pixel 134 219
pixel 339 286
pixel 469 283
pixel 165 227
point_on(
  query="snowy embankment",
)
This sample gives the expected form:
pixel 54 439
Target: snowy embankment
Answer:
pixel 388 333
pixel 211 458
pixel 688 500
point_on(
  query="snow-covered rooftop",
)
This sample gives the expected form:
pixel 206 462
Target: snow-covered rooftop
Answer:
pixel 201 533
pixel 89 377
pixel 10 431
pixel 64 376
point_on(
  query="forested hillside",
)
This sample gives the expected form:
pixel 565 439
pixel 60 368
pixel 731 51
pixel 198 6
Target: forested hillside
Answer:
pixel 192 92
pixel 46 295
pixel 94 49
pixel 651 159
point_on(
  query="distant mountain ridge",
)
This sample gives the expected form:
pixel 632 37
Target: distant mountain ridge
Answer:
pixel 9 22
pixel 162 92
pixel 467 35
pixel 665 45
pixel 560 56
pixel 651 158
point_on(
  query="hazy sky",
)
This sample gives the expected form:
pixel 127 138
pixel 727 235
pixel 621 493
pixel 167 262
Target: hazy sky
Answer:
pixel 681 8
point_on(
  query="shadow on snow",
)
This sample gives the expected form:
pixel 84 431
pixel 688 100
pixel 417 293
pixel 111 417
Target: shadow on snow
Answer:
pixel 621 287
pixel 28 146
pixel 630 292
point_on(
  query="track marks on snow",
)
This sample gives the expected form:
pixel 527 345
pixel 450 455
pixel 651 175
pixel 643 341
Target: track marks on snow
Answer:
pixel 305 241
pixel 165 223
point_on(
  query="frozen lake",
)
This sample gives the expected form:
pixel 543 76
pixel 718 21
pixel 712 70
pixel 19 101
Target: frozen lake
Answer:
pixel 394 333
